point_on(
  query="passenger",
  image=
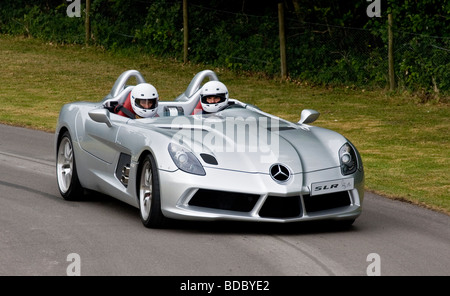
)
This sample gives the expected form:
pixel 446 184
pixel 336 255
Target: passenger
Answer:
pixel 213 98
pixel 142 102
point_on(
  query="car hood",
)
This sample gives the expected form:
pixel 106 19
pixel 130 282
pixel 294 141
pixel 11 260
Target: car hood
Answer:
pixel 253 142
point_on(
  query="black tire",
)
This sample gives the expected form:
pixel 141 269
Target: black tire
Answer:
pixel 66 170
pixel 148 192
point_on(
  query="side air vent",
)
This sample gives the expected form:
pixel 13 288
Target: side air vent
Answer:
pixel 125 175
pixel 123 169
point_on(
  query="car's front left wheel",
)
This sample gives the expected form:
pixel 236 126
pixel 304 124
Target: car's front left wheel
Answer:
pixel 149 194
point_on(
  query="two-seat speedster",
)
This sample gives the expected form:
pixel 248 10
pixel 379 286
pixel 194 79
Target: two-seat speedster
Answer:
pixel 238 164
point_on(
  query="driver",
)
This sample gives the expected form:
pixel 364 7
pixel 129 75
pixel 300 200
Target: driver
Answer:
pixel 141 103
pixel 213 97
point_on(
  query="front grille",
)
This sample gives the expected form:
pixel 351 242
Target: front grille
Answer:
pixel 223 200
pixel 326 201
pixel 281 207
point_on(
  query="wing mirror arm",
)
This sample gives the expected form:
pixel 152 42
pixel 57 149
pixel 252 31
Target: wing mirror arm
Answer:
pixel 101 116
pixel 308 116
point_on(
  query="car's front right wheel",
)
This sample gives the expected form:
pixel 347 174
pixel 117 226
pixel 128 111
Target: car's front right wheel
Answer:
pixel 149 194
pixel 66 170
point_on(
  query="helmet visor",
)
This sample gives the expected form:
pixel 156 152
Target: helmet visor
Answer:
pixel 146 103
pixel 213 99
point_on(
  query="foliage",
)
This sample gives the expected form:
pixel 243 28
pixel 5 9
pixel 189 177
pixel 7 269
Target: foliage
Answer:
pixel 332 43
pixel 47 22
pixel 161 33
pixel 421 43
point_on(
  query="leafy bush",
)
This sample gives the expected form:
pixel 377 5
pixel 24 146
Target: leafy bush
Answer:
pixel 326 43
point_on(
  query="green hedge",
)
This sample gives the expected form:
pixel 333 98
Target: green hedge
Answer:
pixel 324 45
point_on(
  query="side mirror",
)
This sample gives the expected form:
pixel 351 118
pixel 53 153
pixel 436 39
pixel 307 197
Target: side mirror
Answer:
pixel 101 116
pixel 308 116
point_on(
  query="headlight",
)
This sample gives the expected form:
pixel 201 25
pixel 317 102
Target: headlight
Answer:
pixel 347 157
pixel 185 160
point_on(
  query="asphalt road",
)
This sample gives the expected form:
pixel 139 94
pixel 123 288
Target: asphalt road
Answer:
pixel 41 234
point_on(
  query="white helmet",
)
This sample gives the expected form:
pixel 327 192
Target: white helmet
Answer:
pixel 214 89
pixel 141 95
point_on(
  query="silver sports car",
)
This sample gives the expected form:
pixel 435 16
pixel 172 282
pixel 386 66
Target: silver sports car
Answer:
pixel 238 164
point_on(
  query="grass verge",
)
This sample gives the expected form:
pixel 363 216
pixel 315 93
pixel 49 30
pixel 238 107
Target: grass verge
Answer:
pixel 404 144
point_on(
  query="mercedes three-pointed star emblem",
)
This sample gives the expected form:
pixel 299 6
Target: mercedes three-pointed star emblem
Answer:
pixel 279 172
